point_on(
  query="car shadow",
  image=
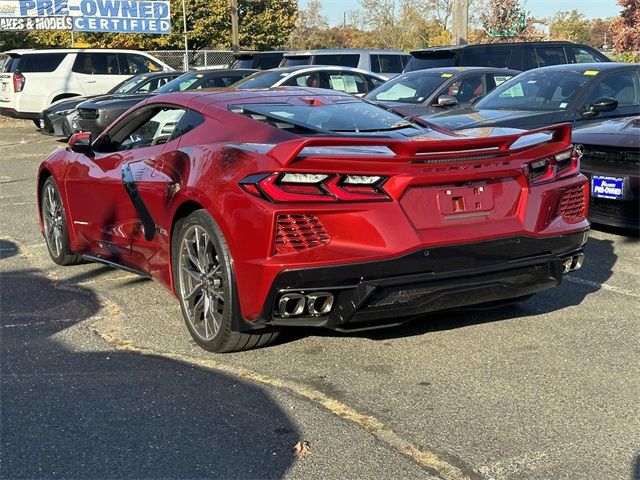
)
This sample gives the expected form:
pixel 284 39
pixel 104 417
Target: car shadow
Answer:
pixel 630 234
pixel 73 409
pixel 596 270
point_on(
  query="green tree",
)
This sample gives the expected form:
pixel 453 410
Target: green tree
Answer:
pixel 572 26
pixel 310 28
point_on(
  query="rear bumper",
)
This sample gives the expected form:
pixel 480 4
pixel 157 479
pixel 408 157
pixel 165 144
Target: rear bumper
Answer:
pixel 374 294
pixel 12 113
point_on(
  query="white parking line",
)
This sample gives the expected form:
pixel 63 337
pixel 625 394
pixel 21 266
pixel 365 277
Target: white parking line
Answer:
pixel 603 286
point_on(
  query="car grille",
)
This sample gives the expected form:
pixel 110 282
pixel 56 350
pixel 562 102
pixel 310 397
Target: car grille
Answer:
pixel 599 157
pixel 88 113
pixel 296 232
pixel 572 204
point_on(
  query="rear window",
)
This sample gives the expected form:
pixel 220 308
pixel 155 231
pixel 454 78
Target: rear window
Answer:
pixel 265 62
pixel 296 60
pixel 241 63
pixel 409 88
pixel 352 117
pixel 264 79
pixel 344 60
pixel 436 59
pixel 40 62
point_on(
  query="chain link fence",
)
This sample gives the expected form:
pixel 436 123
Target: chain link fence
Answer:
pixel 196 58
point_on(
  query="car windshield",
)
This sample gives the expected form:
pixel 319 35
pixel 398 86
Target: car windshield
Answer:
pixel 129 84
pixel 183 82
pixel 538 90
pixel 264 79
pixel 409 88
pixel 346 116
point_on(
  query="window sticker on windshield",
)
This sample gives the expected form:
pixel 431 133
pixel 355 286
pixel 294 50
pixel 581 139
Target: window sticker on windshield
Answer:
pixel 199 75
pixel 591 72
pixel 447 75
pixel 563 105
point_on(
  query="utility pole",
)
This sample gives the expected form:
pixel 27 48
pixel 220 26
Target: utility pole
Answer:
pixel 185 61
pixel 459 22
pixel 235 43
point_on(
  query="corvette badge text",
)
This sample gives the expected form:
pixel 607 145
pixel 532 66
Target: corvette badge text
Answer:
pixel 125 16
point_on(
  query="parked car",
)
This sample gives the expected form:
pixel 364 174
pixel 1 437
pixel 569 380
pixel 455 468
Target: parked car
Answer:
pixel 31 80
pixel 385 62
pixel 610 158
pixel 58 118
pixel 96 114
pixel 579 94
pixel 517 56
pixel 343 79
pixel 427 92
pixel 262 209
pixel 257 60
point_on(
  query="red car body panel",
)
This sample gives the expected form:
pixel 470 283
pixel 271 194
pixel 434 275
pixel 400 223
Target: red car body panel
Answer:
pixel 430 203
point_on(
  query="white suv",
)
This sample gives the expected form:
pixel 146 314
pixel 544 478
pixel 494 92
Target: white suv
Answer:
pixel 31 80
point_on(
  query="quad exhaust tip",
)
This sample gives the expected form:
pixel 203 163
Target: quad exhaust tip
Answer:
pixel 571 264
pixel 297 304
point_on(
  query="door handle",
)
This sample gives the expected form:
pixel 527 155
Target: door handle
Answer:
pixel 90 81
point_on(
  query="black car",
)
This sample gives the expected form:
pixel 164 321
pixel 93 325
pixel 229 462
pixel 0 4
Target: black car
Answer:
pixel 259 60
pixel 610 156
pixel 518 56
pixel 96 114
pixel 427 92
pixel 579 94
pixel 58 118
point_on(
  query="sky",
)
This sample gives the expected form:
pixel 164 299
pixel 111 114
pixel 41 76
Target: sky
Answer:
pixel 334 9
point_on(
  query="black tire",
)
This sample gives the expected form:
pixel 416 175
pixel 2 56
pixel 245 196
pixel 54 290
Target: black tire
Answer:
pixel 36 122
pixel 54 219
pixel 205 285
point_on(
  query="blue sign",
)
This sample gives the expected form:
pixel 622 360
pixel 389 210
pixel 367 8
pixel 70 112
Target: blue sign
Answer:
pixel 607 187
pixel 124 16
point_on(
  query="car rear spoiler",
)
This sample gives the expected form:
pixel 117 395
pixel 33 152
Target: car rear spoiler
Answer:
pixel 420 149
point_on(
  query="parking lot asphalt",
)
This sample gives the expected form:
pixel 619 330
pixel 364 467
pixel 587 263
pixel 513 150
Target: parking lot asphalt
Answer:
pixel 100 378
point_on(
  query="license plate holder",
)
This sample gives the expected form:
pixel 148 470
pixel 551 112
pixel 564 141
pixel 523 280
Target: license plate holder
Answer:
pixel 608 186
pixel 475 199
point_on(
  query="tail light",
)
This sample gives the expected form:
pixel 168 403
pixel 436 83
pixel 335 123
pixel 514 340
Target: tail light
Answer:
pixel 18 82
pixel 561 164
pixel 316 187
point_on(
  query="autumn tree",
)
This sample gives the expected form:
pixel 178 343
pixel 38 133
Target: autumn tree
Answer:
pixel 601 32
pixel 507 20
pixel 626 27
pixel 309 28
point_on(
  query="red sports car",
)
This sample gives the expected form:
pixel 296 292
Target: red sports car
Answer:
pixel 261 209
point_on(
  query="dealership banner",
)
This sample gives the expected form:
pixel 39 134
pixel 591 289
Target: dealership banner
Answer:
pixel 124 16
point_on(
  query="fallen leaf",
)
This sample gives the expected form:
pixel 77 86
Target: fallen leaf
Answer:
pixel 301 449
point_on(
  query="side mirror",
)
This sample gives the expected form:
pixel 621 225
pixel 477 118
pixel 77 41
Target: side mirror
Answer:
pixel 603 104
pixel 81 143
pixel 446 101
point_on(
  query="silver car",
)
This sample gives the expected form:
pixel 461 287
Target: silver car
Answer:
pixel 343 79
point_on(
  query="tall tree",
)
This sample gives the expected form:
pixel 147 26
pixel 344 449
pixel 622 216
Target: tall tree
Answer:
pixel 310 28
pixel 507 20
pixel 626 27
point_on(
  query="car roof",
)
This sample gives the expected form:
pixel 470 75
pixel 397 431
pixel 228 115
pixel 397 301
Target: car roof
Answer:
pixel 222 72
pixel 23 51
pixel 319 68
pixel 583 67
pixel 459 70
pixel 343 50
pixel 459 47
pixel 251 53
pixel 225 96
